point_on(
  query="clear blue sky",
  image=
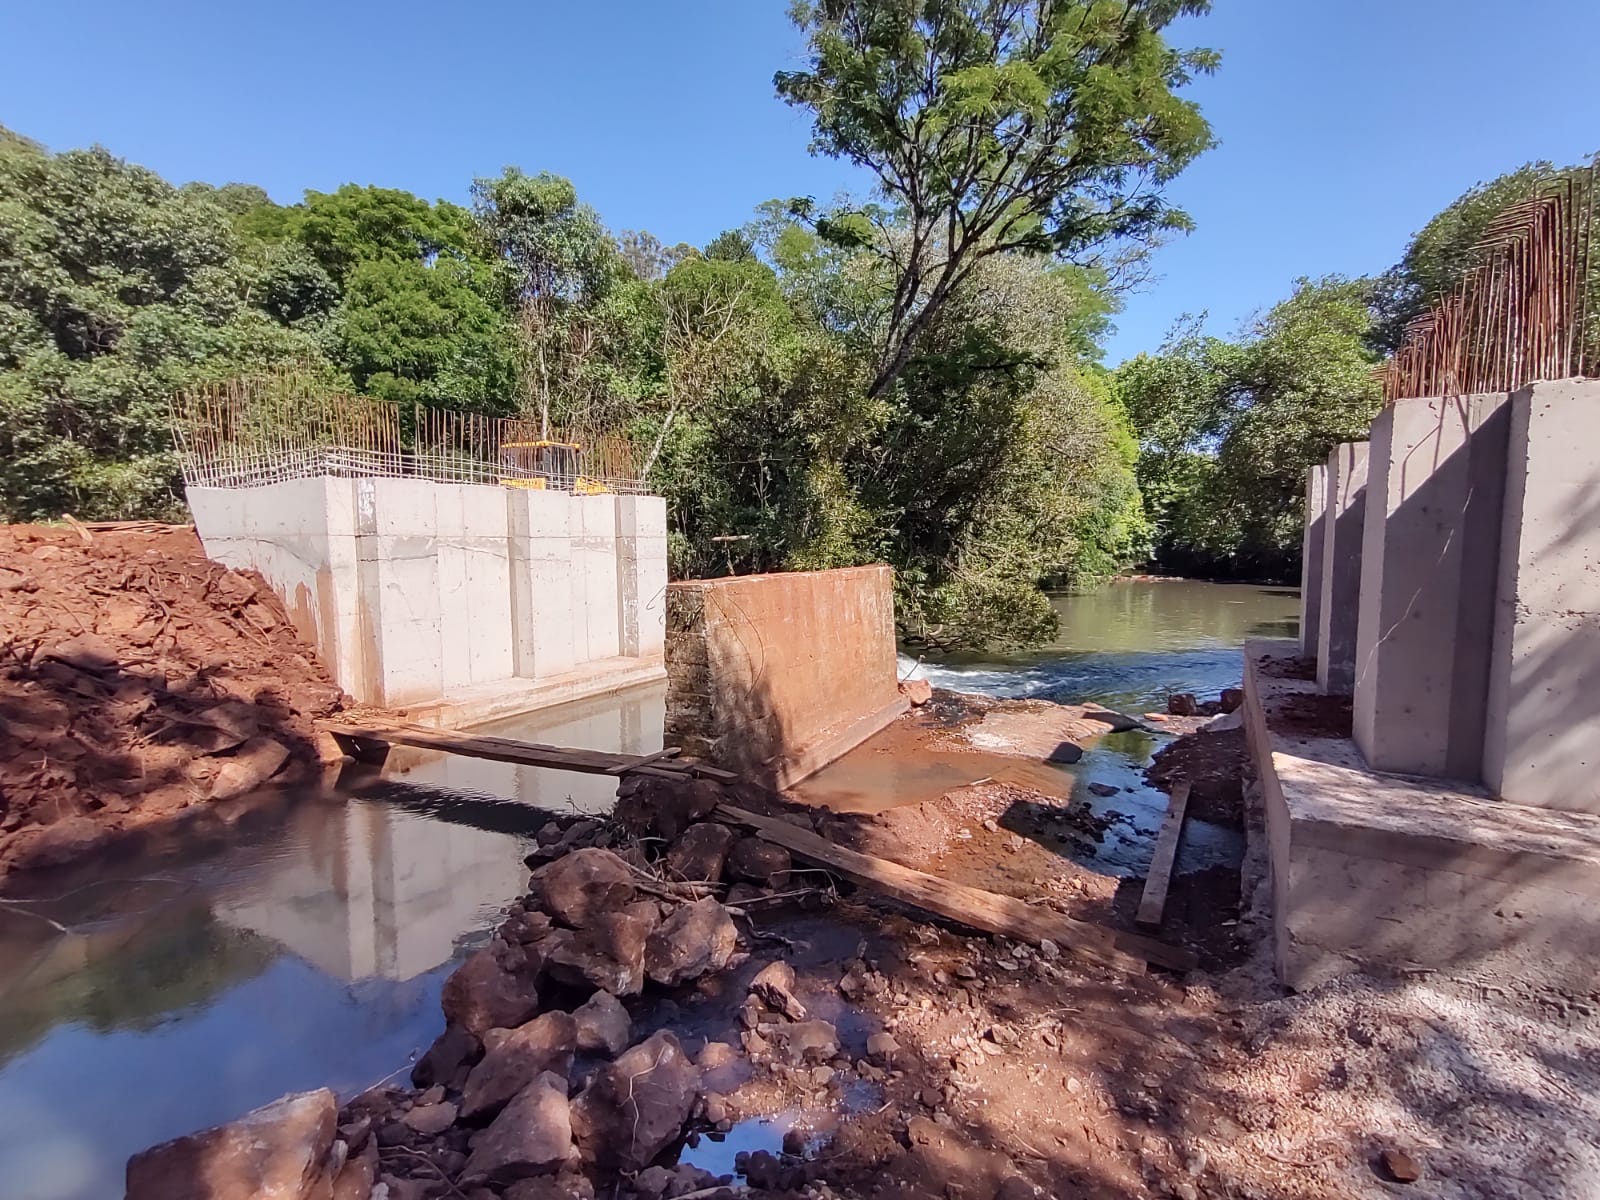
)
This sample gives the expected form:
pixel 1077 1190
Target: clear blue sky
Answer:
pixel 1345 124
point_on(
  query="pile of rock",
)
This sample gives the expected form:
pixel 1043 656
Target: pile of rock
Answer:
pixel 536 1089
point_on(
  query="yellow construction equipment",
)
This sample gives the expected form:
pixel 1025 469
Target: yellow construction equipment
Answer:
pixel 547 466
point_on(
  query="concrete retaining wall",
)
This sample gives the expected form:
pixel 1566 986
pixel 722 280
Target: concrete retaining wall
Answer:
pixel 780 674
pixel 458 602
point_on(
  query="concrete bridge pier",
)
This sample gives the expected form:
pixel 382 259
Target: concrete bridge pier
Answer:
pixel 1341 567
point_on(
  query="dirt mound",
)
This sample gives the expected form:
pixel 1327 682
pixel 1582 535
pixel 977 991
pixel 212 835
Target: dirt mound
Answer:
pixel 138 678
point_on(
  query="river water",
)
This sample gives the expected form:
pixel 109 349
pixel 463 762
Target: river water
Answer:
pixel 162 994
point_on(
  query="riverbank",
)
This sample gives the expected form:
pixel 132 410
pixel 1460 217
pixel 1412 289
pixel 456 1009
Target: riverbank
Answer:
pixel 139 681
pixel 678 1008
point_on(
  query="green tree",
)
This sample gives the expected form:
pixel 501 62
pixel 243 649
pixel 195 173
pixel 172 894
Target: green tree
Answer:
pixel 118 290
pixel 1227 429
pixel 558 265
pixel 1047 126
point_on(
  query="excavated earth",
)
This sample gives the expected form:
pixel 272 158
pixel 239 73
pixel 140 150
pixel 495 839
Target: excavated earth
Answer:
pixel 678 1009
pixel 141 682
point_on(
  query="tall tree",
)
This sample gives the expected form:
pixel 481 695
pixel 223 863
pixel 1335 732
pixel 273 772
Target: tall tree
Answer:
pixel 558 263
pixel 998 125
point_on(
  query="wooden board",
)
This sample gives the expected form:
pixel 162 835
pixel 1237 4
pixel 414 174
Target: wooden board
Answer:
pixel 530 754
pixel 972 906
pixel 1154 901
pixel 644 760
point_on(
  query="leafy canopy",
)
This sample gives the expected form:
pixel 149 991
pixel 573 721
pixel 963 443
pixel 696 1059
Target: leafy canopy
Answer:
pixel 993 126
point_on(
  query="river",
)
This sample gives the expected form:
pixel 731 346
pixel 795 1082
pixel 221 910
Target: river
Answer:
pixel 179 989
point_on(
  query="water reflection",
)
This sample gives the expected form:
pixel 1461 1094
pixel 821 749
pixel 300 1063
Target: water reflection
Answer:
pixel 171 992
pixel 629 722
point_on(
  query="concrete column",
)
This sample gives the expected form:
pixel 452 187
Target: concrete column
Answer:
pixel 596 612
pixel 1341 568
pixel 540 530
pixel 475 584
pixel 642 575
pixel 1544 675
pixel 1429 558
pixel 398 563
pixel 1311 559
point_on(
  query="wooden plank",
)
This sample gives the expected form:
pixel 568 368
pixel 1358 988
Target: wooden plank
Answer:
pixel 530 754
pixel 1154 901
pixel 644 760
pixel 969 905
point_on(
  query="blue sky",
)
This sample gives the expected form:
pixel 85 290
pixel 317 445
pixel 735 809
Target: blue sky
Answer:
pixel 1345 124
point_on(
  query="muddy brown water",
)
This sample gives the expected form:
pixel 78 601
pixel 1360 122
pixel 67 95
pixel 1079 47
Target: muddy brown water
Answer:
pixel 151 996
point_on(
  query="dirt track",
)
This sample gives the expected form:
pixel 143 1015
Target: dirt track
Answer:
pixel 137 678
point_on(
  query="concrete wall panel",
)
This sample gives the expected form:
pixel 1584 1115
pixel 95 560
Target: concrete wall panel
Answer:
pixel 780 674
pixel 414 590
pixel 1543 702
pixel 1311 559
pixel 1428 564
pixel 1341 568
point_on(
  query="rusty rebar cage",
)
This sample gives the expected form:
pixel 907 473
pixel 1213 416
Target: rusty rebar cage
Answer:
pixel 264 429
pixel 1528 310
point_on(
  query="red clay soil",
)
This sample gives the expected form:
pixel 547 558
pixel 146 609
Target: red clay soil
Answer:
pixel 1307 715
pixel 137 679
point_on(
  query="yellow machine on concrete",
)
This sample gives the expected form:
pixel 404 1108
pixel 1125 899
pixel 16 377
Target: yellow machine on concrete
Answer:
pixel 547 466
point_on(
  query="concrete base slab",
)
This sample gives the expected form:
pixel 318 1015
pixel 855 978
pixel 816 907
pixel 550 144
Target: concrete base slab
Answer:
pixel 463 707
pixel 1391 874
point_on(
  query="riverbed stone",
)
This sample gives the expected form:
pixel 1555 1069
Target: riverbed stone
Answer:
pixel 608 955
pixel 431 1120
pixel 584 884
pixel 360 1171
pixel 756 861
pixel 531 1136
pixel 636 1106
pixel 773 985
pixel 695 940
pixel 283 1151
pixel 482 995
pixel 551 1187
pixel 699 855
pixel 807 1041
pixel 603 1026
pixel 452 1050
pixel 514 1058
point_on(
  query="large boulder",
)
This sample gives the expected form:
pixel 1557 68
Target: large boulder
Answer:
pixel 664 808
pixel 532 1136
pixel 697 939
pixel 514 1058
pixel 637 1106
pixel 757 861
pixel 698 855
pixel 284 1151
pixel 584 884
pixel 603 1025
pixel 483 995
pixel 452 1050
pixel 608 954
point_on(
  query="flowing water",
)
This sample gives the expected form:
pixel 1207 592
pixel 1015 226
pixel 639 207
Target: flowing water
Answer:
pixel 1129 645
pixel 165 993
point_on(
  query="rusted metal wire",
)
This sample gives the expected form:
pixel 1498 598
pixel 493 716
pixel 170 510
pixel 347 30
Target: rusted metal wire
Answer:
pixel 1526 311
pixel 265 429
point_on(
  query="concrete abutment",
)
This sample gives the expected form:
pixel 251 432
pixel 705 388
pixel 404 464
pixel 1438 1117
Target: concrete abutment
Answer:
pixel 456 602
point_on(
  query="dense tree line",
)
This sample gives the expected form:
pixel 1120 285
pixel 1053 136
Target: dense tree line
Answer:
pixel 915 379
